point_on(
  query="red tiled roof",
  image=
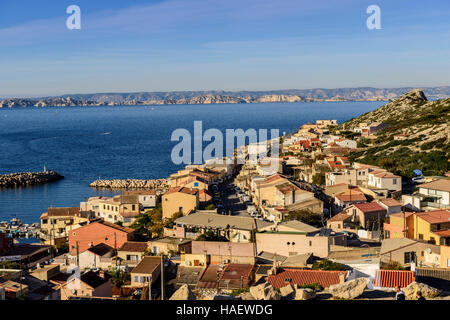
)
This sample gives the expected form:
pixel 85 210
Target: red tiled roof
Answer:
pixel 353 197
pixel 301 277
pixel 273 178
pixel 385 175
pixel 436 216
pixel 393 278
pixel 340 217
pixel 390 202
pixel 442 233
pixel 134 246
pixel 181 189
pixel 369 207
pixel 440 184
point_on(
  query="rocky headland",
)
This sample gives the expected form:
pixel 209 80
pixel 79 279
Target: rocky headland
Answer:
pixel 23 179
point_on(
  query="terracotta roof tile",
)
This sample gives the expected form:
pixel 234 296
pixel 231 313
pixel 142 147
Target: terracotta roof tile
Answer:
pixel 134 246
pixel 369 207
pixel 436 216
pixel 301 277
pixel 393 278
pixel 390 202
pixel 440 184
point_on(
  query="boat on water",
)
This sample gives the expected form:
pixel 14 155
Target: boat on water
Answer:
pixel 15 223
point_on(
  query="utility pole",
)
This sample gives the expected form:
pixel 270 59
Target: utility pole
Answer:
pixel 162 277
pixel 78 255
pixel 150 288
pixel 115 249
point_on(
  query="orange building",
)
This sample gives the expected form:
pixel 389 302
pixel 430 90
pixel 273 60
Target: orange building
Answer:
pixel 97 232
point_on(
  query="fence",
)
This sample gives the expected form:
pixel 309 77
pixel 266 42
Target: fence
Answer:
pixel 438 278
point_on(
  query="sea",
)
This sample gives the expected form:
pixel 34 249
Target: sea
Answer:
pixel 87 143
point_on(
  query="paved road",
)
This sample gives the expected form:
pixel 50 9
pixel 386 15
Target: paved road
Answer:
pixel 232 203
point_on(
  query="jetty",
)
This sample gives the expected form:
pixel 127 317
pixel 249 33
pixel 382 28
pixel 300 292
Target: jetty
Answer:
pixel 23 179
pixel 159 185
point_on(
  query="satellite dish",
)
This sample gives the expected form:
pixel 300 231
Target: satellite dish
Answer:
pixel 428 250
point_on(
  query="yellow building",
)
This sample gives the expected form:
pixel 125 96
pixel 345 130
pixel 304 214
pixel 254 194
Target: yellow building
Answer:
pixel 433 226
pixel 179 199
pixel 56 223
pixel 445 256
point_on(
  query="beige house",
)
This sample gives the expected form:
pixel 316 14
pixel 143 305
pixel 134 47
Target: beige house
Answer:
pixel 98 256
pixel 278 191
pixel 146 198
pixel 431 196
pixel 131 253
pixel 179 200
pixel 381 179
pixel 217 252
pixel 121 208
pixel 290 243
pixel 89 284
pixel 169 245
pixel 146 272
pixel 56 223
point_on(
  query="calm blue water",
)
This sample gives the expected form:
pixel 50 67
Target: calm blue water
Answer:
pixel 72 141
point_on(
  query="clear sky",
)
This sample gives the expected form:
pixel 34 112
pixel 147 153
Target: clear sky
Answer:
pixel 166 45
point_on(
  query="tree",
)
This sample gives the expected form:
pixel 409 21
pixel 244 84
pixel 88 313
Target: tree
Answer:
pixel 149 224
pixel 328 265
pixel 119 279
pixel 305 216
pixel 319 179
pixel 9 265
pixel 211 236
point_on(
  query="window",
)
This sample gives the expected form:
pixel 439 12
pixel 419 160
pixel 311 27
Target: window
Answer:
pixel 394 181
pixel 387 234
pixel 410 257
pixel 44 221
pixel 310 243
pixel 133 207
pixel 142 279
pixel 432 240
pixel 420 236
pixel 448 262
pixel 136 278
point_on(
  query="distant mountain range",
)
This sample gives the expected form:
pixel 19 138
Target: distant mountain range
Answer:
pixel 219 96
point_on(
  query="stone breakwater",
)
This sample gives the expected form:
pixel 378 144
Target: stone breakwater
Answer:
pixel 23 179
pixel 160 185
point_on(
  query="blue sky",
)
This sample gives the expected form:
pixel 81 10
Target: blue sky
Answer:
pixel 170 45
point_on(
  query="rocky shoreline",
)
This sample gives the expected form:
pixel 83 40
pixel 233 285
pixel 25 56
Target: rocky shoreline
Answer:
pixel 22 179
pixel 159 185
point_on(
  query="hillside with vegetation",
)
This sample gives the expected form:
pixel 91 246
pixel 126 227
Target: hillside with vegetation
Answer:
pixel 417 136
